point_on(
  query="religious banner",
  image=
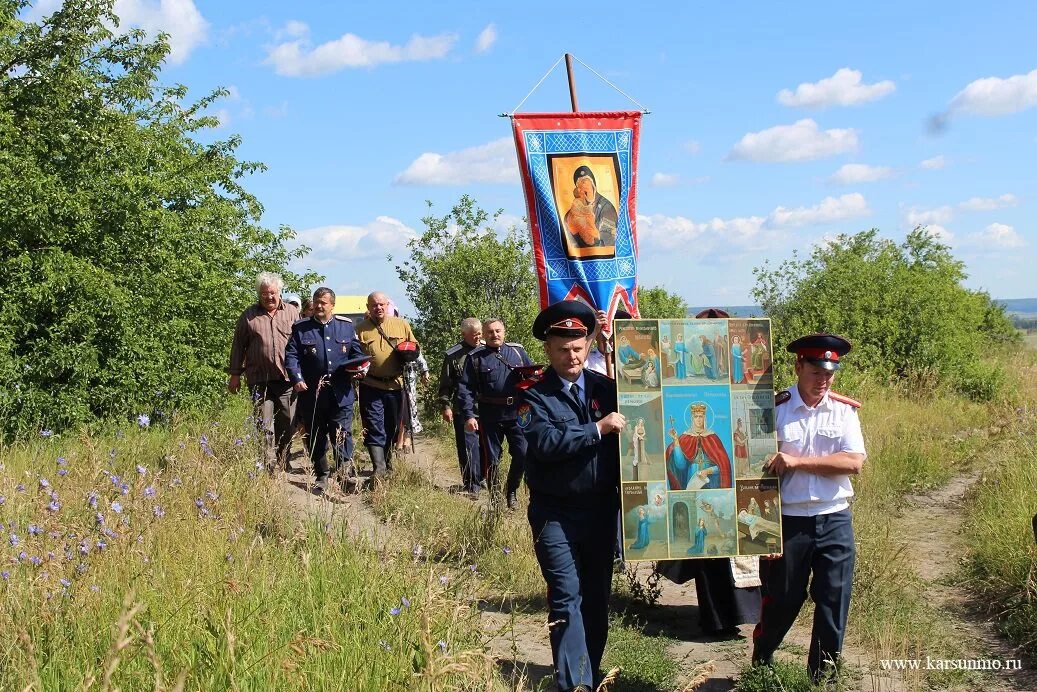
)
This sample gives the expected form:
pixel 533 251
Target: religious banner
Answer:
pixel 698 396
pixel 579 176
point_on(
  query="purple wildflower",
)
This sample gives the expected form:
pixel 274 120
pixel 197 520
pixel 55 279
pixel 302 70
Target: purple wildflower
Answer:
pixel 101 545
pixel 62 472
pixel 115 480
pixel 61 461
pixel 199 502
pixel 34 530
pixel 203 512
pixel 143 420
pixel 45 433
pixel 159 512
pixel 20 487
pixel 405 601
pixel 149 491
pixel 2 499
pixel 13 539
pixel 395 611
pixel 66 583
pixel 22 555
pixel 444 580
pixel 211 495
pixel 238 442
pixel 84 547
pixel 91 499
pixel 442 645
pixel 507 550
pixel 176 483
pixel 95 588
pixel 124 489
pixel 100 518
pixel 117 507
pixel 141 470
pixel 44 483
pixel 53 506
pixel 5 574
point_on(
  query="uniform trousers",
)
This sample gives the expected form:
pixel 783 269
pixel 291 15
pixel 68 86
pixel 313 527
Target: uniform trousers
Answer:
pixel 819 549
pixel 492 433
pixel 327 421
pixel 380 412
pixel 274 409
pixel 574 549
pixel 468 457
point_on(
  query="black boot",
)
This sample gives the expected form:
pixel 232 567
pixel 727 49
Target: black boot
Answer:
pixel 321 472
pixel 378 460
pixel 512 499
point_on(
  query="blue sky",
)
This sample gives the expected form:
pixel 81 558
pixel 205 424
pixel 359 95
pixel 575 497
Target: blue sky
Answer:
pixel 774 126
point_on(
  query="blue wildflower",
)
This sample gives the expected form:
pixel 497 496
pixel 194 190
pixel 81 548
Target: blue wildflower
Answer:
pixel 5 574
pixel 199 502
pixel 2 499
pixel 101 545
pixel 45 433
pixel 442 645
pixel 211 495
pixel 100 518
pixel 115 480
pixel 405 601
pixel 61 461
pixel 149 491
pixel 53 506
pixel 91 499
pixel 95 588
pixel 124 489
pixel 117 507
pixel 66 583
pixel 203 512
pixel 20 487
pixel 111 453
pixel 176 483
pixel 444 580
pixel 44 483
pixel 22 555
pixel 141 470
pixel 507 550
pixel 84 547
pixel 159 512
pixel 13 539
pixel 143 420
pixel 34 530
pixel 238 442
pixel 62 472
pixel 395 611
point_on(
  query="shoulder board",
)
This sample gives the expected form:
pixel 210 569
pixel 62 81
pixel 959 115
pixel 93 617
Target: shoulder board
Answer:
pixel 300 320
pixel 514 344
pixel 844 399
pixel 782 397
pixel 343 318
pixel 478 350
pixel 455 349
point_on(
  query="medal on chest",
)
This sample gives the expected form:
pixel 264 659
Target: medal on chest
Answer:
pixel 595 409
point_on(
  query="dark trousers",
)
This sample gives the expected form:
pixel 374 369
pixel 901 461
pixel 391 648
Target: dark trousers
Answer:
pixel 274 409
pixel 380 412
pixel 575 556
pixel 492 434
pixel 819 549
pixel 327 422
pixel 468 457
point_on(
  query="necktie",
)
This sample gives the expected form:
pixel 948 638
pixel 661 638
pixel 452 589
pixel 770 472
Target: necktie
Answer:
pixel 574 390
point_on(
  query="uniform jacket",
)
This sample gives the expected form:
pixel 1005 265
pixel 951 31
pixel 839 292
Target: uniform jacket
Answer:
pixel 315 350
pixel 487 373
pixel 450 375
pixel 566 459
pixel 386 371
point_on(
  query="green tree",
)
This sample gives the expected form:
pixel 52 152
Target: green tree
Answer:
pixel 903 307
pixel 127 245
pixel 659 304
pixel 460 266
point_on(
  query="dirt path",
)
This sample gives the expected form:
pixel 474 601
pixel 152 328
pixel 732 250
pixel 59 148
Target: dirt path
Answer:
pixel 932 525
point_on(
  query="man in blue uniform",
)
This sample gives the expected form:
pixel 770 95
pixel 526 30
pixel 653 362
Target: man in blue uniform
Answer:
pixel 453 368
pixel 571 425
pixel 487 397
pixel 323 357
pixel 820 446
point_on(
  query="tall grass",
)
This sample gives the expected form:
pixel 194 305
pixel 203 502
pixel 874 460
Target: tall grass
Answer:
pixel 1001 563
pixel 165 558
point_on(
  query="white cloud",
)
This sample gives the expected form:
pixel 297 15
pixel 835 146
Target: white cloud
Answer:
pixel 802 141
pixel 828 210
pixel 729 238
pixel 278 111
pixel 293 28
pixel 997 236
pixel 494 162
pixel 940 233
pixel 223 116
pixel 180 19
pixel 854 173
pixel 330 245
pixel 665 179
pixel 992 96
pixel 989 203
pixel 926 217
pixel 844 88
pixel 487 37
pixel 933 164
pixel 692 146
pixel 298 58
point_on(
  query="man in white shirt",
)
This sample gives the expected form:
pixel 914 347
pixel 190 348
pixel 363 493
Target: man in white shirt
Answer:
pixel 820 447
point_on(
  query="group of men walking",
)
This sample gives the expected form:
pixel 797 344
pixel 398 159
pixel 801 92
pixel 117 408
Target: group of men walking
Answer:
pixel 562 427
pixel 310 370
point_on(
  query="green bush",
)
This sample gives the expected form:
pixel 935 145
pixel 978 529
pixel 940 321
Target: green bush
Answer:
pixel 903 306
pixel 128 244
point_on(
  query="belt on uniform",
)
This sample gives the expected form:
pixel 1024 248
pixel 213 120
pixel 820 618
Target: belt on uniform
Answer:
pixel 497 400
pixel 387 380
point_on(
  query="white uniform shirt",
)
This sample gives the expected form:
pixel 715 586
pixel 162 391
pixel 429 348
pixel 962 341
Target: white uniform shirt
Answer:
pixel 828 428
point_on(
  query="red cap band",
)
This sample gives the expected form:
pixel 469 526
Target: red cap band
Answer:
pixel 818 354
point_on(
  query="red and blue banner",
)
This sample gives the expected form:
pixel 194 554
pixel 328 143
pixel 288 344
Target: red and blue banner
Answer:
pixel 579 176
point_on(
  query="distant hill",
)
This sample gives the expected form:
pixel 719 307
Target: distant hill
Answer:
pixel 1022 307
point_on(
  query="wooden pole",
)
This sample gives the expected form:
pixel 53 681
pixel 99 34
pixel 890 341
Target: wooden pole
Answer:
pixel 572 82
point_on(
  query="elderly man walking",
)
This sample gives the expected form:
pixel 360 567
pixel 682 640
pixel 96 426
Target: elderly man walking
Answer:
pixel 257 352
pixel 381 392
